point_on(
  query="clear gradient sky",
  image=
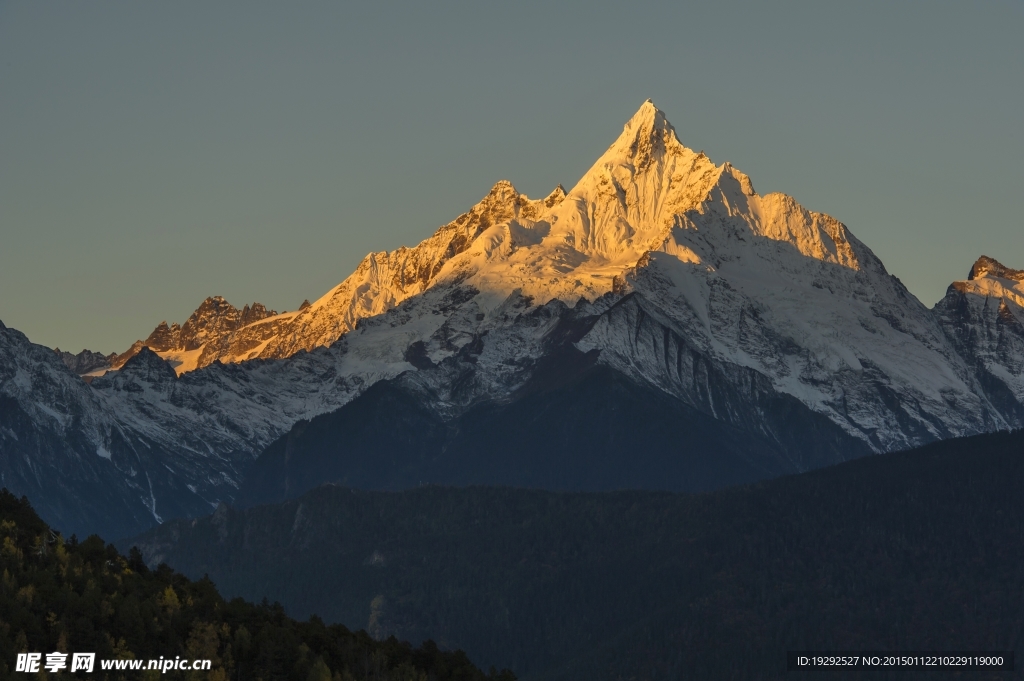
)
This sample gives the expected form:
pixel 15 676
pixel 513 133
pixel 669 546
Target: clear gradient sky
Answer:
pixel 152 154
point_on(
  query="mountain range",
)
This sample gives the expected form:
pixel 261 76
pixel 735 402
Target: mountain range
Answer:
pixel 659 325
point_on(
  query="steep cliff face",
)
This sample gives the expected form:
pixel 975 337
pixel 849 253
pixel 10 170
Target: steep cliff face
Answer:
pixel 984 318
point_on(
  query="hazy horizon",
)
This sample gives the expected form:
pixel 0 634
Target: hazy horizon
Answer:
pixel 156 155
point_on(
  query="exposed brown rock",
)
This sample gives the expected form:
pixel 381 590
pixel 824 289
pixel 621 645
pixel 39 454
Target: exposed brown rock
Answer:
pixel 990 267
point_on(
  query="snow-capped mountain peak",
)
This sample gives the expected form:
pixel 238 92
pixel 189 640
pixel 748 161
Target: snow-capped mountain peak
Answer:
pixel 146 366
pixel 989 278
pixel 752 281
pixel 646 135
pixel 646 193
pixel 624 204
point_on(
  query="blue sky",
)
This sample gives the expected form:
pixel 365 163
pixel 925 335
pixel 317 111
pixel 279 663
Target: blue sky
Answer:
pixel 152 154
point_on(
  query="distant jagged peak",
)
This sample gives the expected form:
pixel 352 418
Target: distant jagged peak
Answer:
pixel 989 279
pixel 254 313
pixel 212 322
pixel 555 197
pixel 164 337
pixel 145 365
pixel 990 267
pixel 85 361
pixel 503 190
pixel 219 307
pixel 216 317
pixel 213 306
pixel 502 203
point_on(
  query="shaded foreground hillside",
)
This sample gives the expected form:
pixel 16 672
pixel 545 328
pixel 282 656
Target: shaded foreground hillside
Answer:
pixel 575 425
pixel 70 596
pixel 915 550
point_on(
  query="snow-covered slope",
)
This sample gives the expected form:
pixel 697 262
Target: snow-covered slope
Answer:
pixel 217 331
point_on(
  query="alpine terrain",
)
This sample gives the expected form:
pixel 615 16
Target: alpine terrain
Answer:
pixel 658 325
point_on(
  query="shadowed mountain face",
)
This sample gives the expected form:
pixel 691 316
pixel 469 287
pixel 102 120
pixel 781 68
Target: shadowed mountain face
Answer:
pixel 917 550
pixel 140 445
pixel 575 425
pixel 86 471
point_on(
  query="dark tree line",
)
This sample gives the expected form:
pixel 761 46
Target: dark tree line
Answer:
pixel 60 594
pixel 919 550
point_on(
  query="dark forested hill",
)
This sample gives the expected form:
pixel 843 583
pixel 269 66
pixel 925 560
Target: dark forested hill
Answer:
pixel 915 550
pixel 575 426
pixel 66 596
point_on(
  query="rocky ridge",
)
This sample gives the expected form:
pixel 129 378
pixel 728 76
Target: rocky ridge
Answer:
pixel 86 361
pixel 208 335
pixel 217 331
